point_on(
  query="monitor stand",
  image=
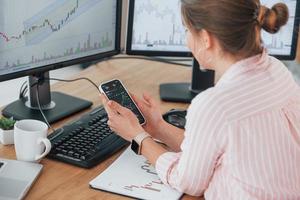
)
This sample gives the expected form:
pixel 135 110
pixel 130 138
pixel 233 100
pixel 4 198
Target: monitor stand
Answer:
pixel 185 92
pixel 55 105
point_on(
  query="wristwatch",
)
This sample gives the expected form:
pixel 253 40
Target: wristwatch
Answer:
pixel 136 143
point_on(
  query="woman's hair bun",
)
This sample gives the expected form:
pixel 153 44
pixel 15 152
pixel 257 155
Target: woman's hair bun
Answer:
pixel 271 20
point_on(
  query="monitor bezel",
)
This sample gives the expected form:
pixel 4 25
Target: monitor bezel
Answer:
pixel 75 61
pixel 130 51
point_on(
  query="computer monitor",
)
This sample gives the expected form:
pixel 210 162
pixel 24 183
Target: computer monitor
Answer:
pixel 41 35
pixel 155 29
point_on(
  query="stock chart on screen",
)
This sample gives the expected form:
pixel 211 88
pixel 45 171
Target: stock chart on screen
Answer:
pixel 157 26
pixel 36 33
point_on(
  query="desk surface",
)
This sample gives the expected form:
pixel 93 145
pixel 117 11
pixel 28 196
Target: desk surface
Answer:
pixel 62 181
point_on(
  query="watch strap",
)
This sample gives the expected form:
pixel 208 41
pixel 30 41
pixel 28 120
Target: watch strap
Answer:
pixel 136 144
pixel 140 137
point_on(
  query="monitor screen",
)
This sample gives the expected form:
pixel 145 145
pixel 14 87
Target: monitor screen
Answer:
pixel 35 34
pixel 155 28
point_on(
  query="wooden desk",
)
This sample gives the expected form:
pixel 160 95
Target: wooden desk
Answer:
pixel 62 181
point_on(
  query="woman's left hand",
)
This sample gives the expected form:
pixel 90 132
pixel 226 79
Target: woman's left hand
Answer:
pixel 121 120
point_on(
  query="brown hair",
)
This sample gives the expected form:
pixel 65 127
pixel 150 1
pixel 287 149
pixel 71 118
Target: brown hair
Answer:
pixel 236 24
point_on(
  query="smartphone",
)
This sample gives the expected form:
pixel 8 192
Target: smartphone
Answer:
pixel 114 90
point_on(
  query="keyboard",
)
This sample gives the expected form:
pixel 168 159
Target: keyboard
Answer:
pixel 85 142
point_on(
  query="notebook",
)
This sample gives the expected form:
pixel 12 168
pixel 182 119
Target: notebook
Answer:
pixel 132 175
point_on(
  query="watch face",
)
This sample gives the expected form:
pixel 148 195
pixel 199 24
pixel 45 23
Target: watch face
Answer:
pixel 135 147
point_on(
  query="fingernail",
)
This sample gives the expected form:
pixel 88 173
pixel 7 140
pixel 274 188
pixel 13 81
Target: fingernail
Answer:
pixel 109 103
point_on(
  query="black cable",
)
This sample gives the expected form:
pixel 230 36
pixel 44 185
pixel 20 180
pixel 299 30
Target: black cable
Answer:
pixel 22 90
pixel 155 59
pixel 77 79
pixel 152 59
pixel 40 108
pixel 175 59
pixel 22 94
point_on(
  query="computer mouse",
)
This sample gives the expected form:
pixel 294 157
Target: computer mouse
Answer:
pixel 176 117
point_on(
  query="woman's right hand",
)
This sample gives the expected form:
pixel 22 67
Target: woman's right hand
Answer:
pixel 151 112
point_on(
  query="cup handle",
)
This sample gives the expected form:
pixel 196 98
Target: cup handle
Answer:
pixel 47 145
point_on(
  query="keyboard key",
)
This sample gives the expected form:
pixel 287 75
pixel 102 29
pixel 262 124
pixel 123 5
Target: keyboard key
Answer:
pixel 64 151
pixel 58 149
pixel 76 155
pixel 82 157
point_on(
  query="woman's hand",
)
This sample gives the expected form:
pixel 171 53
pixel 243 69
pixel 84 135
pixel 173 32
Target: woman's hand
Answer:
pixel 121 120
pixel 151 112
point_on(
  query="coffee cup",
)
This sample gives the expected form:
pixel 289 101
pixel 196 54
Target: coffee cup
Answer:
pixel 30 138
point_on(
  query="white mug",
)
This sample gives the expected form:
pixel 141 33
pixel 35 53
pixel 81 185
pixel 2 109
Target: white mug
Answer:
pixel 30 138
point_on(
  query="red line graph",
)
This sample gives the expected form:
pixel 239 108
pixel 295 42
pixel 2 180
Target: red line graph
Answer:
pixel 148 186
pixel 158 182
pixel 3 35
pixel 130 187
pixel 46 23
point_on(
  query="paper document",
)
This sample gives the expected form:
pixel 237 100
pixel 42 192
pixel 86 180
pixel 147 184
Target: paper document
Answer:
pixel 132 175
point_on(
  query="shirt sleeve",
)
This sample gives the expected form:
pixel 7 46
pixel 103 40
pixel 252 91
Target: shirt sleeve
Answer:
pixel 191 170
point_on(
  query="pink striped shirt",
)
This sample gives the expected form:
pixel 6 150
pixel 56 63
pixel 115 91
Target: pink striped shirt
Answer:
pixel 242 138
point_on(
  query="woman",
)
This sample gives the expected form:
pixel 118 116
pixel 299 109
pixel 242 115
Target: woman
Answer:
pixel 242 137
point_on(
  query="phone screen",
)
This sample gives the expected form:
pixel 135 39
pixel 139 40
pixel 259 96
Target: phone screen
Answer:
pixel 115 91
